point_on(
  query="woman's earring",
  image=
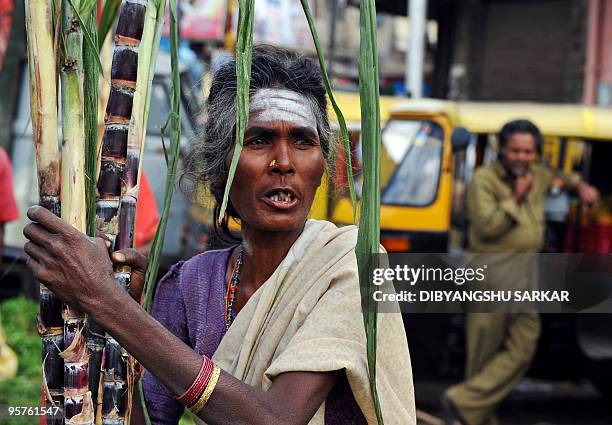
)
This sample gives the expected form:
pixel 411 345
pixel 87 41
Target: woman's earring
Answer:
pixel 272 164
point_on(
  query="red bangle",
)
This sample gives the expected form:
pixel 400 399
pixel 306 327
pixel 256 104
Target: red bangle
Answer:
pixel 192 394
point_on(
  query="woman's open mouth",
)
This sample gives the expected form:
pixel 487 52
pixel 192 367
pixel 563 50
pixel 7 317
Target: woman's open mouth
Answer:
pixel 281 199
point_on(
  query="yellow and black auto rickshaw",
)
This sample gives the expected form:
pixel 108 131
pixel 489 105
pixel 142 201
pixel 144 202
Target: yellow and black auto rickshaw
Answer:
pixel 428 158
pixel 430 151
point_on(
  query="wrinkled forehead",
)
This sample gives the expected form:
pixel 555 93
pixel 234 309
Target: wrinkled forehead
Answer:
pixel 270 105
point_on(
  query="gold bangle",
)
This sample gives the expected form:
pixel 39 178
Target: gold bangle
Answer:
pixel 210 387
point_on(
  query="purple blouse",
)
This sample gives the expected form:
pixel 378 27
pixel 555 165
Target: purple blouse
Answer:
pixel 190 302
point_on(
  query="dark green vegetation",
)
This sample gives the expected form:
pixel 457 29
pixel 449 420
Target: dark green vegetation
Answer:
pixel 19 322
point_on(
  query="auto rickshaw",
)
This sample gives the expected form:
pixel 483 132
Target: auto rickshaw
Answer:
pixel 427 162
pixel 430 151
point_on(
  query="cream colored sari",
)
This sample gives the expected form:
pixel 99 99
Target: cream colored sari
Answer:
pixel 307 317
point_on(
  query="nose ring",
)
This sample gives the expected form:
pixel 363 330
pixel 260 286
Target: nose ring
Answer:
pixel 272 163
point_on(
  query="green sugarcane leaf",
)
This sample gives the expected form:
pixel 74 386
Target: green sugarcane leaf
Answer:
pixel 157 244
pixel 86 7
pixel 368 240
pixel 87 35
pixel 244 54
pixel 90 91
pixel 174 124
pixel 56 20
pixel 339 115
pixel 172 162
pixel 160 6
pixel 109 13
pixel 144 405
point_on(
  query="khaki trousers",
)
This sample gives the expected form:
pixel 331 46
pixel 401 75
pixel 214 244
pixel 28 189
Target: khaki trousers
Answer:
pixel 499 351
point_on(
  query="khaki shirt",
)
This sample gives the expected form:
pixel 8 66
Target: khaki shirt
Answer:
pixel 496 222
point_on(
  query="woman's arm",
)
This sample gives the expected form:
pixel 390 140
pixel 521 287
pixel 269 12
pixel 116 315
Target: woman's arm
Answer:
pixel 293 398
pixel 86 282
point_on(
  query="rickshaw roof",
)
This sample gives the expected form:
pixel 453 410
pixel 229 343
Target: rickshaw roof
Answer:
pixel 350 106
pixel 566 120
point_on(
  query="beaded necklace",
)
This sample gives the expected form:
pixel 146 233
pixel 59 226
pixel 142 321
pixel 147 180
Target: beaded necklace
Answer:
pixel 230 294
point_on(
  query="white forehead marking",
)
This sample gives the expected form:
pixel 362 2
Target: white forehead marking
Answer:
pixel 283 105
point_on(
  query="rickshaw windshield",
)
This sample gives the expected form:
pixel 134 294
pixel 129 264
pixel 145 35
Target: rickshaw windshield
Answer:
pixel 410 162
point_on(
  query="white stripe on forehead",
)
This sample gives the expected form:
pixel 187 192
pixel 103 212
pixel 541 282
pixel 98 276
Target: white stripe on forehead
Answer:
pixel 283 105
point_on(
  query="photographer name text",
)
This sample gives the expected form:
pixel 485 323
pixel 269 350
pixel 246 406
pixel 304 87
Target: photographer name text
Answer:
pixel 472 296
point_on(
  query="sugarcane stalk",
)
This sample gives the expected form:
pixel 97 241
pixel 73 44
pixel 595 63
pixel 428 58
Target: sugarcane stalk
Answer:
pixel 122 148
pixel 43 98
pixel 118 116
pixel 78 407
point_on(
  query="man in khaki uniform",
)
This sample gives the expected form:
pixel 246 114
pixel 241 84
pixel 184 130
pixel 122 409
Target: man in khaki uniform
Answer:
pixel 505 207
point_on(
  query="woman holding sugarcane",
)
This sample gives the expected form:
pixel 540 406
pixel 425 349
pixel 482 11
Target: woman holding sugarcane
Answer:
pixel 266 332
